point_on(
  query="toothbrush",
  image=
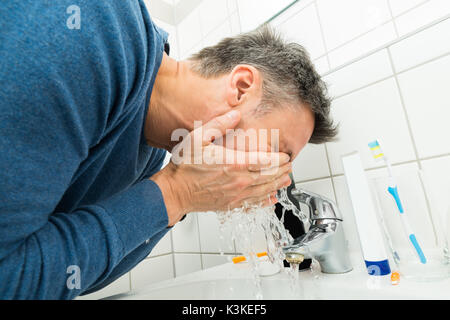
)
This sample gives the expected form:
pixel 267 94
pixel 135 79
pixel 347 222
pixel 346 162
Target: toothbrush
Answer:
pixel 393 190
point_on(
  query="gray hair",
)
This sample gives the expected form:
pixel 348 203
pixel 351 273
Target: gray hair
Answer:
pixel 288 74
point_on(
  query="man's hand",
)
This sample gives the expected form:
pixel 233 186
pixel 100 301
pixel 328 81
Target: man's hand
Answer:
pixel 194 185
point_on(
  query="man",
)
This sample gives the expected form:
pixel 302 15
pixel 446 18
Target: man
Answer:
pixel 85 115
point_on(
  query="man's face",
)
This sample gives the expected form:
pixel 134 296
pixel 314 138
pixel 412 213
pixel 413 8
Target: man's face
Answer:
pixel 286 129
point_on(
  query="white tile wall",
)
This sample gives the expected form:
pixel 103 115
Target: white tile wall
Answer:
pixel 192 51
pixel 322 65
pixel 212 13
pixel 235 24
pixel 164 246
pixel 152 270
pixel 304 28
pixel 212 260
pixel 422 15
pixel 212 239
pixel 345 20
pixel 356 45
pixel 367 42
pixel 185 235
pixel 311 163
pixel 265 8
pixel 421 47
pixel 187 263
pixel 222 31
pixel 323 187
pixel 232 6
pixel 374 112
pixel 427 98
pixel 189 32
pixel 359 74
pixel 400 6
pixel 437 183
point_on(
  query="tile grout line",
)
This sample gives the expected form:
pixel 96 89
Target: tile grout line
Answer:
pixel 173 255
pixel 362 87
pixel 239 17
pixel 129 281
pixel 326 54
pixel 411 9
pixel 207 253
pixel 230 25
pixel 199 241
pixel 384 46
pixel 337 175
pixel 443 155
pixel 402 101
pixel 423 63
pixel 158 255
pixel 285 9
pixel 358 36
pixel 313 179
pixel 227 19
pixel 392 75
pixel 322 33
pixel 329 170
pixel 372 29
pixel 341 45
pixel 416 152
pixel 393 18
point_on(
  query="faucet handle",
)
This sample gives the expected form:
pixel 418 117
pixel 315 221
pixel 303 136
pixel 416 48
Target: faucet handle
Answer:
pixel 320 207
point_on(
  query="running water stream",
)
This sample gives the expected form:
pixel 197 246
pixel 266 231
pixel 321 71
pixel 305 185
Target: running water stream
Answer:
pixel 246 221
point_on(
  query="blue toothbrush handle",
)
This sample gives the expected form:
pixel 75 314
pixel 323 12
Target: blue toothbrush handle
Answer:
pixel 414 242
pixel 394 192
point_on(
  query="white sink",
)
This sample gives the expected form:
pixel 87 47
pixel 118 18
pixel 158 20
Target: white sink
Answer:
pixel 234 281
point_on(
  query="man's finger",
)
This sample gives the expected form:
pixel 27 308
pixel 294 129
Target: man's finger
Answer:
pixel 255 161
pixel 217 127
pixel 271 186
pixel 267 160
pixel 274 175
pixel 264 201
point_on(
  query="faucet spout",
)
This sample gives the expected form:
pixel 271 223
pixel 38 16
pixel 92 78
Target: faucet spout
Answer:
pixel 325 240
pixel 306 242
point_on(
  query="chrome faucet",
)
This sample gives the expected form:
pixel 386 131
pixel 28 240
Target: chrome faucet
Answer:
pixel 324 240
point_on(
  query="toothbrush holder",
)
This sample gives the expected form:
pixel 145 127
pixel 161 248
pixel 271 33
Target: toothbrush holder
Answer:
pixel 427 221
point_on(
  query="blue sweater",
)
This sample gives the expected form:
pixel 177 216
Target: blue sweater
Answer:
pixel 77 209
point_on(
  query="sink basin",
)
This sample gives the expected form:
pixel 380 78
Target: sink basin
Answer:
pixel 235 282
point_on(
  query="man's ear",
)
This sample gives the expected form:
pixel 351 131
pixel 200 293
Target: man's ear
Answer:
pixel 244 82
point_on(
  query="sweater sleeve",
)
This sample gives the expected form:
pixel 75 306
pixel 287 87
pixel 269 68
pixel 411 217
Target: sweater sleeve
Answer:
pixel 74 251
pixel 61 91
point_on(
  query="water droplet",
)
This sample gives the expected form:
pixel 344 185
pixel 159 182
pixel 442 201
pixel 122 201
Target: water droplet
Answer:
pixel 247 221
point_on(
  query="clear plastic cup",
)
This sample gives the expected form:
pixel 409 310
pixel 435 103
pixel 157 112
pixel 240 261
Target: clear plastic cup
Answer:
pixel 429 225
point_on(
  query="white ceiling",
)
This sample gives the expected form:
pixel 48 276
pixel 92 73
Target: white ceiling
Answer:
pixel 171 11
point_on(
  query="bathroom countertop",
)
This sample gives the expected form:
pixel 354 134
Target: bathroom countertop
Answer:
pixel 234 281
